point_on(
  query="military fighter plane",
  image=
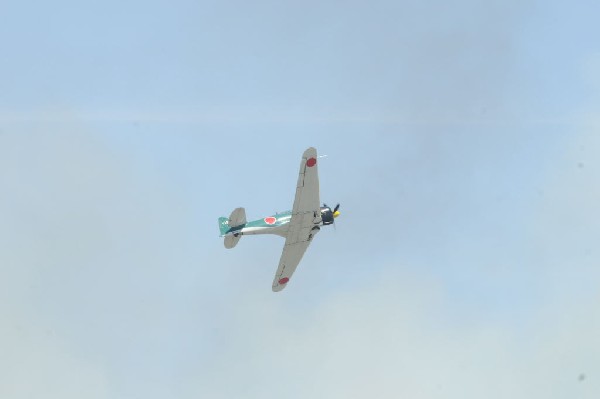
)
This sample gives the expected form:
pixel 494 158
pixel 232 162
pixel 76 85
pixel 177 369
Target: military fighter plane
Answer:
pixel 298 226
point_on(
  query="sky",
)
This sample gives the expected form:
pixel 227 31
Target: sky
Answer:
pixel 462 141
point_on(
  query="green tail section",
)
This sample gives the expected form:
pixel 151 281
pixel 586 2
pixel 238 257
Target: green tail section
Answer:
pixel 224 225
pixel 236 219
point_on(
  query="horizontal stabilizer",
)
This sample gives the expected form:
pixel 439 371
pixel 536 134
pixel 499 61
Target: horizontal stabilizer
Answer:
pixel 237 217
pixel 231 241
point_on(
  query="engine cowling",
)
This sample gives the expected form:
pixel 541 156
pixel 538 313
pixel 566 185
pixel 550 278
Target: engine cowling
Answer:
pixel 326 215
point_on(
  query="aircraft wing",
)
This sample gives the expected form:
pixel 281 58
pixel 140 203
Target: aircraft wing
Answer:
pixel 306 213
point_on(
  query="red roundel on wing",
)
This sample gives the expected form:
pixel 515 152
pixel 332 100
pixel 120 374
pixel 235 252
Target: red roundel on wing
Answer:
pixel 283 280
pixel 270 220
pixel 310 162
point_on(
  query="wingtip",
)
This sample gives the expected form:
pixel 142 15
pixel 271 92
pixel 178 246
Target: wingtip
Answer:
pixel 278 287
pixel 310 151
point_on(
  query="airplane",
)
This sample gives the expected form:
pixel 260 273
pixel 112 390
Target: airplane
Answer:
pixel 299 226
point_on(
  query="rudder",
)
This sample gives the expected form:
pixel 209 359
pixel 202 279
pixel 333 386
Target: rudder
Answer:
pixel 237 218
pixel 223 225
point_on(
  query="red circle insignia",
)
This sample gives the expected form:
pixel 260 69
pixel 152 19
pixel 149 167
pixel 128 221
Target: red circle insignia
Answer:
pixel 310 162
pixel 270 220
pixel 283 280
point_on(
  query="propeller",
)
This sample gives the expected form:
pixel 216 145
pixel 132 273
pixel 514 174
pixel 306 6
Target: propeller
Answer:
pixel 334 215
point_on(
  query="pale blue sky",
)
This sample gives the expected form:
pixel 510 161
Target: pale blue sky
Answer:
pixel 462 142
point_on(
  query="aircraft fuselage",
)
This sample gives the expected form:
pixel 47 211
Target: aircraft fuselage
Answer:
pixel 277 224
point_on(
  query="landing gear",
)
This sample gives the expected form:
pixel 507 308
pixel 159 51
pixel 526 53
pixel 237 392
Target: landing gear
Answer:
pixel 313 231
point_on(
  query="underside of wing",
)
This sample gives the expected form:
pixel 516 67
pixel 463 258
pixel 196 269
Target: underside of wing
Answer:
pixel 290 258
pixel 307 188
pixel 304 224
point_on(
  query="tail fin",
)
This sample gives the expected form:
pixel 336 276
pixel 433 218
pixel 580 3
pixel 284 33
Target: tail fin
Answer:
pixel 237 218
pixel 223 225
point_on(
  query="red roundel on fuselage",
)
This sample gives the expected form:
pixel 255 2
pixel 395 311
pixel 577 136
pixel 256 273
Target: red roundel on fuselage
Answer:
pixel 310 162
pixel 283 280
pixel 270 220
